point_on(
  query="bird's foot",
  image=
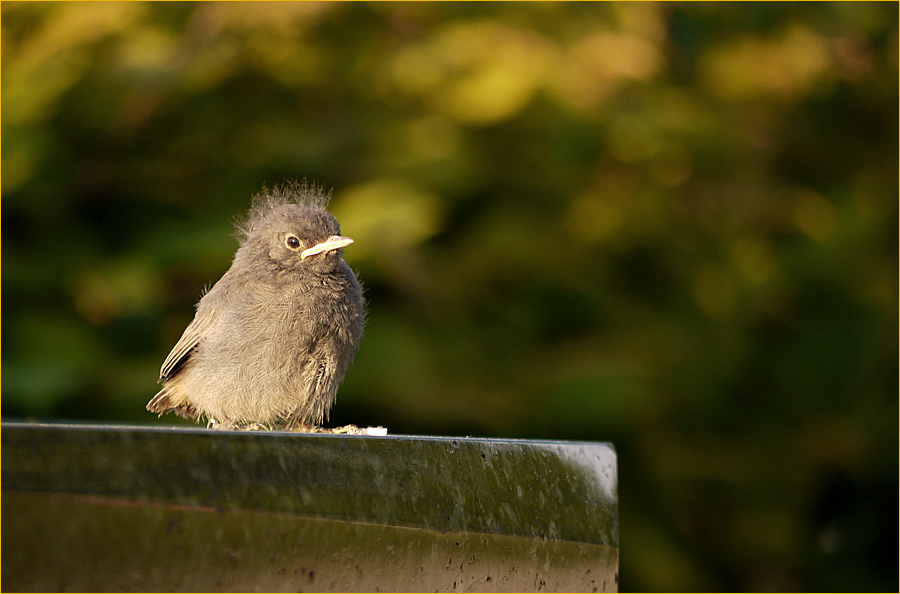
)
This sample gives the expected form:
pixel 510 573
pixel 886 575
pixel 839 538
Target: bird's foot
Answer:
pixel 345 430
pixel 228 425
pixel 254 427
pixel 216 424
pixel 348 430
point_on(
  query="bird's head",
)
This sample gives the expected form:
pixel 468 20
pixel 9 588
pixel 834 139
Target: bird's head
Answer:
pixel 304 237
pixel 291 230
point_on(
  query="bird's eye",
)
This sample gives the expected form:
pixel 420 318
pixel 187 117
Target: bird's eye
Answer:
pixel 292 242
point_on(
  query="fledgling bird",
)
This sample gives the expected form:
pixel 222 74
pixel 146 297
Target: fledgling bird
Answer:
pixel 272 340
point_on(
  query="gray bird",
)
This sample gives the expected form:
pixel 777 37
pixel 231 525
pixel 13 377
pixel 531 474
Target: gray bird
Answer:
pixel 272 340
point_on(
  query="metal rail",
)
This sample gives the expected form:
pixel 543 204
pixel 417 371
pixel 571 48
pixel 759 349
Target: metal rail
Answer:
pixel 101 508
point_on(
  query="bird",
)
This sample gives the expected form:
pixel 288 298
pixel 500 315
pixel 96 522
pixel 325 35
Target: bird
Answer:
pixel 272 340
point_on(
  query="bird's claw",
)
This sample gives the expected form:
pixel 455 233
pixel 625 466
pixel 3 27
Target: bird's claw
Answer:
pixel 345 430
pixel 228 425
pixel 231 426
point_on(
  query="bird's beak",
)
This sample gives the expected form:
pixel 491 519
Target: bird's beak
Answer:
pixel 335 242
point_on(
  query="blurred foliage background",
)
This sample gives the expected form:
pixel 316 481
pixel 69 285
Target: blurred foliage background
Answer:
pixel 670 226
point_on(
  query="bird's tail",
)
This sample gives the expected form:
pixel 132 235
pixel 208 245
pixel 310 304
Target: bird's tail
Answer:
pixel 171 400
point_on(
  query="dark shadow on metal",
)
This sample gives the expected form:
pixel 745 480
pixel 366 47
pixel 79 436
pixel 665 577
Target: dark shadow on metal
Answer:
pixel 123 508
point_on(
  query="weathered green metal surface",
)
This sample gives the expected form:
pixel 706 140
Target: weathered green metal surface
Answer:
pixel 104 508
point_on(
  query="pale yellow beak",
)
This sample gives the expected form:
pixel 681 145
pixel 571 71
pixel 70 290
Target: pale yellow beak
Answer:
pixel 335 242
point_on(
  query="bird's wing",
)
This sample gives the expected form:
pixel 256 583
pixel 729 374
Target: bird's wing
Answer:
pixel 220 294
pixel 181 352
